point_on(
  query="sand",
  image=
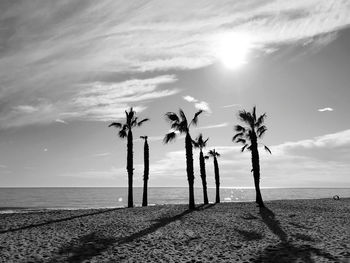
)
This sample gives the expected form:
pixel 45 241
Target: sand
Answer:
pixel 287 231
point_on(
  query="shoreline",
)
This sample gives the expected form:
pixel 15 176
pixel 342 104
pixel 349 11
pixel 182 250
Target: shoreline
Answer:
pixel 24 210
pixel 310 230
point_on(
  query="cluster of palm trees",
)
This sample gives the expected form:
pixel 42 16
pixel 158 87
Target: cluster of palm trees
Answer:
pixel 248 135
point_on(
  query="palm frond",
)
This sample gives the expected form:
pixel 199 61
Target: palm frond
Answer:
pixel 169 137
pixel 133 122
pixel 199 142
pixel 195 118
pixel 241 140
pixel 183 127
pixel 244 147
pixel 172 117
pixel 175 126
pixel 246 117
pixel 182 115
pixel 141 122
pixel 261 128
pixel 254 113
pixel 239 128
pixel 131 113
pixel 206 157
pixel 195 144
pixel 238 135
pixel 122 133
pixel 115 124
pixel 144 137
pixel 213 153
pixel 267 149
pixel 199 139
pixel 261 131
pixel 260 120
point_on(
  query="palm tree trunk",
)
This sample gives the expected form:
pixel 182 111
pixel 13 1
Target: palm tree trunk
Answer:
pixel 217 180
pixel 256 174
pixel 145 174
pixel 189 168
pixel 130 168
pixel 203 176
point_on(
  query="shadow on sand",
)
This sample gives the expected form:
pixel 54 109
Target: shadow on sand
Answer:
pixel 285 251
pixel 95 243
pixel 249 235
pixel 58 220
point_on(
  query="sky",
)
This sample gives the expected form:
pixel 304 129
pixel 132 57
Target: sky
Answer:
pixel 70 68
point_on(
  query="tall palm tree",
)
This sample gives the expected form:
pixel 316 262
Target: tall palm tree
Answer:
pixel 248 135
pixel 146 170
pixel 125 130
pixel 179 124
pixel 200 143
pixel 214 154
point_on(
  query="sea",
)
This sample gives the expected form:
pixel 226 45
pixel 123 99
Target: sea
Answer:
pixel 23 200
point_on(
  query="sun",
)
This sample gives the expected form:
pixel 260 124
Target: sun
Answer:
pixel 233 48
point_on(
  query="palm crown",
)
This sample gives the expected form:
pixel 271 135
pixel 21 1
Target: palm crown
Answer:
pixel 254 129
pixel 213 153
pixel 199 142
pixel 131 122
pixel 179 124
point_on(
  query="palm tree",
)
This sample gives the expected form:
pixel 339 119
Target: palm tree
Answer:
pixel 146 170
pixel 125 130
pixel 214 154
pixel 248 135
pixel 179 124
pixel 200 143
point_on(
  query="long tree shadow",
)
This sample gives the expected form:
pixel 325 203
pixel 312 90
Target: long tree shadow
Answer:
pixel 285 251
pixel 95 243
pixel 249 235
pixel 86 247
pixel 51 221
pixel 272 223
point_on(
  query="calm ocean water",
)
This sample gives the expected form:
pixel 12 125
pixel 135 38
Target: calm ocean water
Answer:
pixel 29 199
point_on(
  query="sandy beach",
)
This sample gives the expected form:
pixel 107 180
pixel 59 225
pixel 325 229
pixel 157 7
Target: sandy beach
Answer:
pixel 286 231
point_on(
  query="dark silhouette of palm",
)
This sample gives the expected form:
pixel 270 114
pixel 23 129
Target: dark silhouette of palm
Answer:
pixel 214 154
pixel 146 170
pixel 200 143
pixel 248 135
pixel 180 125
pixel 125 130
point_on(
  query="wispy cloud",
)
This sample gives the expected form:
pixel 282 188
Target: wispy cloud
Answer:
pixel 85 45
pixel 101 101
pixel 61 121
pixel 225 124
pixel 200 105
pixel 203 105
pixel 189 99
pixel 25 109
pixel 108 101
pixel 325 109
pixel 231 106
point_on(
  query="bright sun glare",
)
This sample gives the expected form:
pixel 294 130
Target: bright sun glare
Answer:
pixel 233 49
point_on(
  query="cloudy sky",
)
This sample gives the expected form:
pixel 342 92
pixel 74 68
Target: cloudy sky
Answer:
pixel 69 68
